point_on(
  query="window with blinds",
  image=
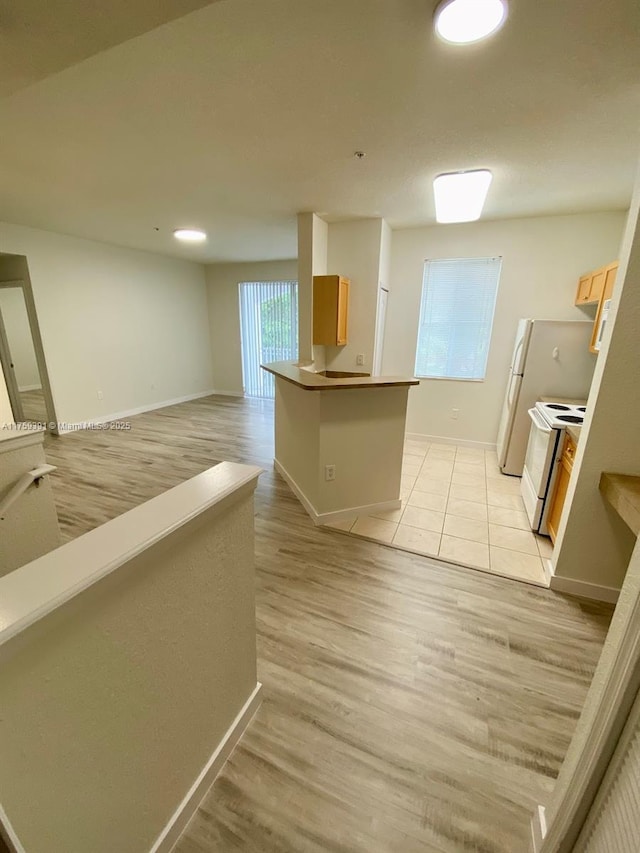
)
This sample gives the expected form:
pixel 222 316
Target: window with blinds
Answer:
pixel 268 331
pixel 456 316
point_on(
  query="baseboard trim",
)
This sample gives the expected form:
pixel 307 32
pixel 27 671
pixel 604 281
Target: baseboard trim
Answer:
pixel 321 518
pixel 189 805
pixel 219 393
pixel 538 829
pixel 583 589
pixel 67 428
pixel 22 388
pixel 441 439
pixel 8 834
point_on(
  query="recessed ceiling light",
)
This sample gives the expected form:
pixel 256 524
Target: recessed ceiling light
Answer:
pixel 466 21
pixel 190 235
pixel 460 196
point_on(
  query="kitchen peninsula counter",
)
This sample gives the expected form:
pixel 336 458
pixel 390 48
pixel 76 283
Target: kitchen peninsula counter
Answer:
pixel 311 380
pixel 340 453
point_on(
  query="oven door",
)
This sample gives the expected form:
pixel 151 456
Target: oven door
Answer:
pixel 538 467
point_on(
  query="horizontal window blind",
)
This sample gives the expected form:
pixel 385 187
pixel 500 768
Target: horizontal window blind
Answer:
pixel 456 316
pixel 268 331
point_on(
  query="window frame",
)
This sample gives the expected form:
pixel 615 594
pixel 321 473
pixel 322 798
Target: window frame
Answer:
pixel 421 324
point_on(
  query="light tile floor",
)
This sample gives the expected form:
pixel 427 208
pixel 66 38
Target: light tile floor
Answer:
pixel 459 507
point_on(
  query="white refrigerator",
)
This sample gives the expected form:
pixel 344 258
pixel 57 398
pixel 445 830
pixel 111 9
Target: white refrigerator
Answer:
pixel 551 358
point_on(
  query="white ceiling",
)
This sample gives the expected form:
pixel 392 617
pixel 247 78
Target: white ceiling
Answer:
pixel 240 114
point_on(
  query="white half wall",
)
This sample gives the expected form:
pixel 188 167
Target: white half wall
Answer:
pixel 543 258
pixel 224 314
pixel 129 324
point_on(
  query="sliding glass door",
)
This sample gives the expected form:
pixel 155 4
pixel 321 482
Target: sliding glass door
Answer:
pixel 269 331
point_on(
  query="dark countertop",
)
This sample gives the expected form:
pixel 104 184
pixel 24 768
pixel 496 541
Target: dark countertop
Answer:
pixel 307 380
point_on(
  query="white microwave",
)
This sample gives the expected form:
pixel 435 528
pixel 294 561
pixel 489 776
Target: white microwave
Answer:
pixel 604 316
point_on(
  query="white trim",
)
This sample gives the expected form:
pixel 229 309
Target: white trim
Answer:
pixel 8 834
pixel 538 829
pixel 583 589
pixel 441 439
pixel 66 428
pixel 321 518
pixel 22 388
pixel 197 792
pixel 602 720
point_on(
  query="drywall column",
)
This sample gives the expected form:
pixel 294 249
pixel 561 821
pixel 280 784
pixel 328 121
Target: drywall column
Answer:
pixel 594 546
pixel 354 251
pixel 312 260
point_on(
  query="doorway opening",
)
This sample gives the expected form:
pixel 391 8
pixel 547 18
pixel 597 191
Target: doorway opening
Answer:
pixel 25 392
pixel 268 331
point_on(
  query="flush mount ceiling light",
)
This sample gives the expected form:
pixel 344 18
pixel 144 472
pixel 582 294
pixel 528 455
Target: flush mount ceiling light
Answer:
pixel 190 235
pixel 466 21
pixel 460 196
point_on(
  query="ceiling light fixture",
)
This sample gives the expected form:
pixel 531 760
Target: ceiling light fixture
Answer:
pixel 190 235
pixel 460 196
pixel 466 21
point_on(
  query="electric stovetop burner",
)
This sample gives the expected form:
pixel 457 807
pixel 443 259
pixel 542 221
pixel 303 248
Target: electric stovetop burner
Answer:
pixel 558 407
pixel 570 419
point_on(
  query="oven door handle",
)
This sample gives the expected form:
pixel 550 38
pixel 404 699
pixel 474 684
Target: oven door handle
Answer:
pixel 539 421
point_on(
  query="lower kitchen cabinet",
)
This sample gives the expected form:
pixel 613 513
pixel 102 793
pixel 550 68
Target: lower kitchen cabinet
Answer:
pixel 565 467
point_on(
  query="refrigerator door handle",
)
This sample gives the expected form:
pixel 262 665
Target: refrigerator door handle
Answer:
pixel 539 421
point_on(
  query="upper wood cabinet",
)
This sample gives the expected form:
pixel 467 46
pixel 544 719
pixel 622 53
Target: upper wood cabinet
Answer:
pixel 330 310
pixel 590 287
pixel 608 282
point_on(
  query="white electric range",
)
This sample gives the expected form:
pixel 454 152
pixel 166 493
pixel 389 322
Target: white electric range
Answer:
pixel 546 441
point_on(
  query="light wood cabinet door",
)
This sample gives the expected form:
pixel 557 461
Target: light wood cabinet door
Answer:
pixel 584 289
pixel 565 466
pixel 609 280
pixel 597 285
pixel 330 310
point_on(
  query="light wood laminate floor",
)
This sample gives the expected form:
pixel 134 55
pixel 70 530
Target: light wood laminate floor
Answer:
pixel 409 705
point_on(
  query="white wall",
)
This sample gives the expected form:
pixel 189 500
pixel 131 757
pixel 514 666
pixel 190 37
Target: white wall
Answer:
pixel 6 413
pixel 354 252
pixel 16 323
pixel 224 315
pixel 593 545
pixel 542 260
pixel 130 324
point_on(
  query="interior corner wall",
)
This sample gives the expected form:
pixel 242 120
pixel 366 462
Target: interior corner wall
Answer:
pixel 224 315
pixel 543 258
pixel 129 324
pixel 354 251
pixel 593 545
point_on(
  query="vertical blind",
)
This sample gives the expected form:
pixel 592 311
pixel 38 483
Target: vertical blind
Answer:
pixel 268 330
pixel 456 316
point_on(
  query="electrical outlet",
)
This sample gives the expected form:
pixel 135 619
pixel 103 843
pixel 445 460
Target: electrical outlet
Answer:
pixel 100 395
pixel 329 472
pixel 455 413
pixel 360 359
